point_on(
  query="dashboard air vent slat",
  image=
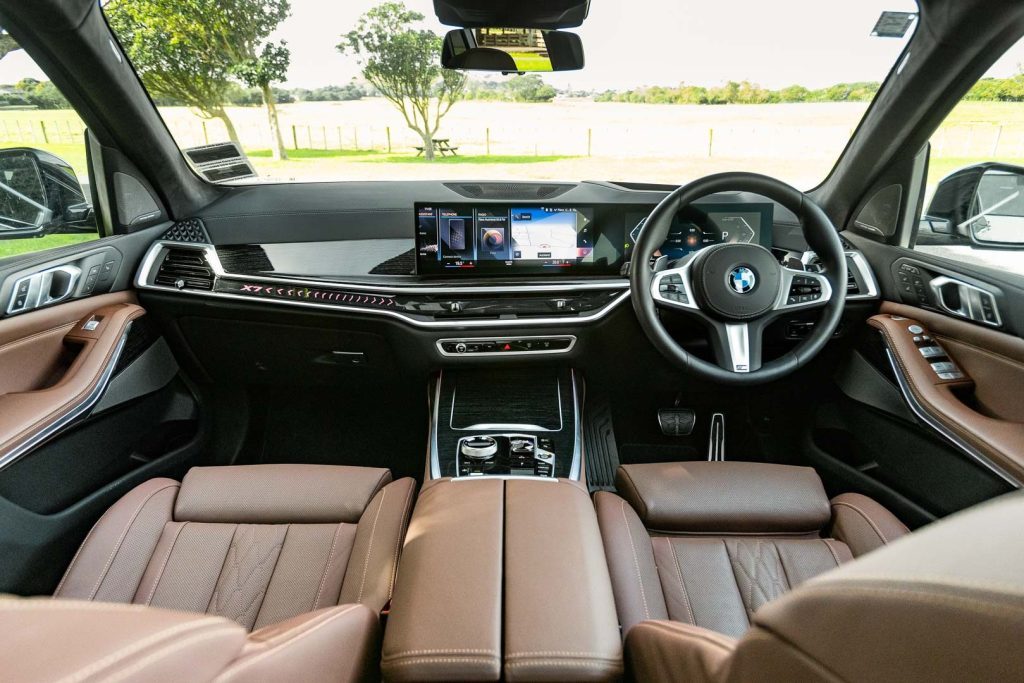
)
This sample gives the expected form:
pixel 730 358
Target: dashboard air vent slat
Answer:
pixel 185 269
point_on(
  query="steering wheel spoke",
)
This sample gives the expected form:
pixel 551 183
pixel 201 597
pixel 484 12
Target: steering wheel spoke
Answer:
pixel 737 345
pixel 802 289
pixel 671 288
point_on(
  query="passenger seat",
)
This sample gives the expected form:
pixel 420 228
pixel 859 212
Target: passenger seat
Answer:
pixel 276 548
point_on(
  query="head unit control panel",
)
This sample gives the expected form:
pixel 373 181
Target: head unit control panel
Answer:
pixel 501 346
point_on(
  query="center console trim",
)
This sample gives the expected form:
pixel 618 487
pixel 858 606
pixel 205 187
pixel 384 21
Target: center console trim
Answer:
pixel 577 452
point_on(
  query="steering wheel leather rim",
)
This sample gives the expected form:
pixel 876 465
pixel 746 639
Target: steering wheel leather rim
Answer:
pixel 819 233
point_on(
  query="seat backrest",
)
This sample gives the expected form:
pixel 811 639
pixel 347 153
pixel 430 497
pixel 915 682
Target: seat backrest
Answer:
pixel 943 604
pixel 256 544
pixel 710 543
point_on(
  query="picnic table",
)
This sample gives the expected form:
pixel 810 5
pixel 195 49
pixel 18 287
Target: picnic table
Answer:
pixel 441 145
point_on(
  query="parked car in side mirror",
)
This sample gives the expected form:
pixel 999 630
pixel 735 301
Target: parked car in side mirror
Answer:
pixel 980 205
pixel 40 195
pixel 511 50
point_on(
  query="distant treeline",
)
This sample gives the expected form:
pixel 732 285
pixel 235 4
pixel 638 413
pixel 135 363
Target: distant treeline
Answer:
pixel 528 88
pixel 741 92
pixel 998 90
pixel 28 92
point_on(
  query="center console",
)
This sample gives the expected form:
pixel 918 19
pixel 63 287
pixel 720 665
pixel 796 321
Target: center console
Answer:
pixel 510 422
pixel 502 579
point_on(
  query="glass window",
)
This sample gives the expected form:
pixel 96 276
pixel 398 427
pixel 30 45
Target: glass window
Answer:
pixel 44 202
pixel 974 201
pixel 670 91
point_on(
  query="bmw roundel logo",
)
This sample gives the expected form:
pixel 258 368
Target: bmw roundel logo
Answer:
pixel 742 280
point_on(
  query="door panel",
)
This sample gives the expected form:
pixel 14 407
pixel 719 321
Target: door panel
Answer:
pixel 91 404
pixel 971 408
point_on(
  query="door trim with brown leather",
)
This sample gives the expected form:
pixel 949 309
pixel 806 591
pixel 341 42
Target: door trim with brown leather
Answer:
pixel 956 406
pixel 92 334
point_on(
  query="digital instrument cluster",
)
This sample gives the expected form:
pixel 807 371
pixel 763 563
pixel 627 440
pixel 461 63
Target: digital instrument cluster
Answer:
pixel 702 225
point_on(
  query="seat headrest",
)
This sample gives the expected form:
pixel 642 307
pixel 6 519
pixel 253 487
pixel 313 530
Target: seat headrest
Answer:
pixel 725 497
pixel 278 494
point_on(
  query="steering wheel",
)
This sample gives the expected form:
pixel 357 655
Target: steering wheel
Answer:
pixel 736 290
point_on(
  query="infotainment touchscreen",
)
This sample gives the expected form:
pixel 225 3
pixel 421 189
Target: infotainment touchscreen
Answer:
pixel 493 239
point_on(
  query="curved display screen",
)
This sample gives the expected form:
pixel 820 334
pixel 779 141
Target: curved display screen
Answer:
pixel 513 239
pixel 552 239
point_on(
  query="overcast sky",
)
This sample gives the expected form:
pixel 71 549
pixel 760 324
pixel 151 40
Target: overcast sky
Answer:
pixel 646 42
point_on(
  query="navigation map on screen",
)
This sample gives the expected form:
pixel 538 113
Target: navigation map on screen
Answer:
pixel 544 234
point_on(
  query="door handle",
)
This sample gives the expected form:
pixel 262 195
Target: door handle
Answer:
pixel 965 301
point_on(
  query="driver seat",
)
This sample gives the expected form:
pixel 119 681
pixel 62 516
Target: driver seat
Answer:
pixel 710 543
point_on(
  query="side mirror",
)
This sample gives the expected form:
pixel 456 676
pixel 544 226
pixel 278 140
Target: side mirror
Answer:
pixel 981 205
pixel 511 50
pixel 40 194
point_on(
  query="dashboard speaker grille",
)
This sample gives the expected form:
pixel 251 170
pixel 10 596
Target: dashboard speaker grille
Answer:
pixel 189 230
pixel 185 269
pixel 524 191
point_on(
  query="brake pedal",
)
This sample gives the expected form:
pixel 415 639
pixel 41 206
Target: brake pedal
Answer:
pixel 676 422
pixel 716 443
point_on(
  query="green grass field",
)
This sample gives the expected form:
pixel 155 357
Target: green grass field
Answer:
pixel 25 246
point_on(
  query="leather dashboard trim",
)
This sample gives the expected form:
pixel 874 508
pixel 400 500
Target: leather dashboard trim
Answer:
pixel 999 443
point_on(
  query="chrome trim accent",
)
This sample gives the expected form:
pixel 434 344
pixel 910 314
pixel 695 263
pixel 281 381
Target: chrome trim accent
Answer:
pixel 867 275
pixel 970 300
pixel 38 294
pixel 92 398
pixel 922 414
pixel 862 267
pixel 218 269
pixel 577 454
pixel 488 354
pixel 145 275
pixel 738 337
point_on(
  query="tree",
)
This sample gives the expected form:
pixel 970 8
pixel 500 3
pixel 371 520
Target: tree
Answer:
pixel 403 64
pixel 243 27
pixel 7 44
pixel 530 88
pixel 271 66
pixel 174 49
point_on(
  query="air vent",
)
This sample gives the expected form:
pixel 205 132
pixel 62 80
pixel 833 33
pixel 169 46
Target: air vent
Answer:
pixel 190 230
pixel 851 284
pixel 524 191
pixel 185 269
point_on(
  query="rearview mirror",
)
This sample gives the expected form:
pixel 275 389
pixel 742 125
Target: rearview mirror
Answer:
pixel 981 205
pixel 40 194
pixel 511 50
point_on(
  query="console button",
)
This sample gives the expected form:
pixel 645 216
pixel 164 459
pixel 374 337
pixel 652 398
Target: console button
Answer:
pixel 915 329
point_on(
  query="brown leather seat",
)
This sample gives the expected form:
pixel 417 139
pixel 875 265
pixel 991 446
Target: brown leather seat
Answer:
pixel 288 550
pixel 710 543
pixel 945 603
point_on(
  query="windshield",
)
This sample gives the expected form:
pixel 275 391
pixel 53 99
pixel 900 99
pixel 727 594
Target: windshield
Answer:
pixel 670 91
